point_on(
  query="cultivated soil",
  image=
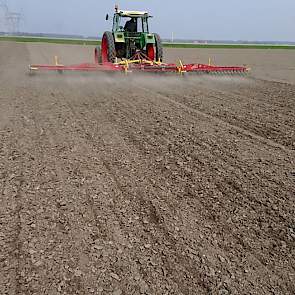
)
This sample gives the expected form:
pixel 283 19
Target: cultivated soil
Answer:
pixel 146 184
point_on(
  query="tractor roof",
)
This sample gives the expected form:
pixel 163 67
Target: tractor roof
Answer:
pixel 126 13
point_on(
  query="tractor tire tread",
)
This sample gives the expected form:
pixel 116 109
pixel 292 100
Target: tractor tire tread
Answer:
pixel 159 47
pixel 111 46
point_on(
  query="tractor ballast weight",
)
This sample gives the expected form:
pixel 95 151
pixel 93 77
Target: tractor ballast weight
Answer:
pixel 125 41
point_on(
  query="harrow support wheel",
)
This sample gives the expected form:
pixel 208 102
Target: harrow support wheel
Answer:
pixel 97 55
pixel 108 49
pixel 159 48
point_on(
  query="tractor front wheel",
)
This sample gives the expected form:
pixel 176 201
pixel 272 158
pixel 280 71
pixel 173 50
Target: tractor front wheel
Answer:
pixel 108 49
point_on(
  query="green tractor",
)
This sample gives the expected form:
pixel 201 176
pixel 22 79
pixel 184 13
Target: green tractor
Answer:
pixel 129 38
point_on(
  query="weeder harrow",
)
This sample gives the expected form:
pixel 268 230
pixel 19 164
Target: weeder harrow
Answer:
pixel 140 63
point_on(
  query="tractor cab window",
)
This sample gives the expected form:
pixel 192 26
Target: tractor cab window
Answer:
pixel 130 24
pixel 145 25
pixel 119 22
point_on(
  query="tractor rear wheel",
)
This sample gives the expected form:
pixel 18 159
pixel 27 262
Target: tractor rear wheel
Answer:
pixel 108 49
pixel 97 55
pixel 159 48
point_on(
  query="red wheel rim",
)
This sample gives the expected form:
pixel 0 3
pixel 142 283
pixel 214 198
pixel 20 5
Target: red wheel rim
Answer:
pixel 150 51
pixel 104 49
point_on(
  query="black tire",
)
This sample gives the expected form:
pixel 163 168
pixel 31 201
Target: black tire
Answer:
pixel 159 48
pixel 97 55
pixel 108 48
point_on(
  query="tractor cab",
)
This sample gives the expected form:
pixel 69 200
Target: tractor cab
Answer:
pixel 123 21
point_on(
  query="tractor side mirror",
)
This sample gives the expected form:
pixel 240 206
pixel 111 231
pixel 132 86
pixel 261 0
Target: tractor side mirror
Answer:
pixel 107 17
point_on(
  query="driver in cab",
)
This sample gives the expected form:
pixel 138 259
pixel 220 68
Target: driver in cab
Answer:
pixel 131 26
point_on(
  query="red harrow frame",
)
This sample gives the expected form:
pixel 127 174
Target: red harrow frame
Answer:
pixel 141 63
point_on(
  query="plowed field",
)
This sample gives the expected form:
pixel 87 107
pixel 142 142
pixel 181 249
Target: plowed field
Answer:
pixel 146 185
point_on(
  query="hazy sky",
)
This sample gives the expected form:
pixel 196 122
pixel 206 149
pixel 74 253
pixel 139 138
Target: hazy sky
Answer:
pixel 210 19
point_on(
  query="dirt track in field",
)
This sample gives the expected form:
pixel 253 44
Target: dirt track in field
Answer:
pixel 146 185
